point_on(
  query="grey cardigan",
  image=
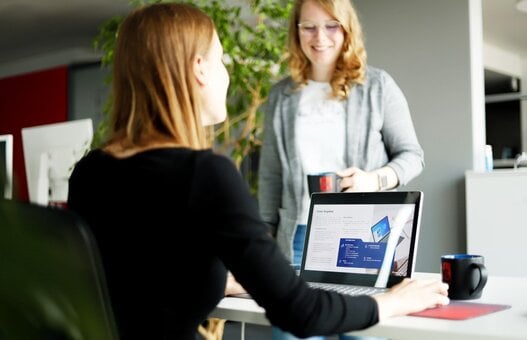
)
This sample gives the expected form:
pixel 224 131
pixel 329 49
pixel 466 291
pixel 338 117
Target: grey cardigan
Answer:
pixel 380 133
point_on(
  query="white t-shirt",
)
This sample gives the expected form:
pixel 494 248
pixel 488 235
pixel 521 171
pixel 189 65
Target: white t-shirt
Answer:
pixel 320 132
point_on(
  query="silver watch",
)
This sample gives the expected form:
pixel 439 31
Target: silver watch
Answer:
pixel 383 181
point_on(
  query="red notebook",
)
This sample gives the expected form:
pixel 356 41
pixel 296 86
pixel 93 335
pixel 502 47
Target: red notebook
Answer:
pixel 456 310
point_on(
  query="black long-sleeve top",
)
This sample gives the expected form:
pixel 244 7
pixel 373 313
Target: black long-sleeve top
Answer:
pixel 169 223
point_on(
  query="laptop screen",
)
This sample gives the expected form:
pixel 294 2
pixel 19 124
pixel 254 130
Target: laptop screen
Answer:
pixel 354 238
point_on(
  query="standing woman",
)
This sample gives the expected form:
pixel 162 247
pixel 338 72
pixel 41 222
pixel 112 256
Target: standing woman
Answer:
pixel 334 113
pixel 171 217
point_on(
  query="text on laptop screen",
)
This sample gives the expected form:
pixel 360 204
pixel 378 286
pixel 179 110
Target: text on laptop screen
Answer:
pixel 355 238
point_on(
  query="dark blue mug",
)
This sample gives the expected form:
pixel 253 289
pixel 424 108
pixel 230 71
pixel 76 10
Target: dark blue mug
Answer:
pixel 465 274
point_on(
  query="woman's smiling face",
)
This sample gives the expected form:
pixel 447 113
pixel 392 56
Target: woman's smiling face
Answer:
pixel 321 37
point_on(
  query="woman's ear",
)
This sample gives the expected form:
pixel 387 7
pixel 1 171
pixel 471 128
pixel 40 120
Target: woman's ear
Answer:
pixel 198 69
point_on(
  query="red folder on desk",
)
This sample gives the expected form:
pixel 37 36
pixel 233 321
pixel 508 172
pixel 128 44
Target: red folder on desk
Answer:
pixel 461 310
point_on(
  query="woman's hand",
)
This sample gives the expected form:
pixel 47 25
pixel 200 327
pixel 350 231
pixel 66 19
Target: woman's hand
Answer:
pixel 355 179
pixel 233 287
pixel 411 296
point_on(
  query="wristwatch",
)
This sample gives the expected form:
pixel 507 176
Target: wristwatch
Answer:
pixel 383 181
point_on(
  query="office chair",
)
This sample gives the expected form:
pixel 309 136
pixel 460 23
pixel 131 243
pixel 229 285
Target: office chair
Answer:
pixel 52 283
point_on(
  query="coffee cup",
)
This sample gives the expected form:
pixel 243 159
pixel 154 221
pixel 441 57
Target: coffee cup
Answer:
pixel 465 274
pixel 323 182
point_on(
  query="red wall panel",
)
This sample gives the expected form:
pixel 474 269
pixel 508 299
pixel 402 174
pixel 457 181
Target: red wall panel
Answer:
pixel 27 100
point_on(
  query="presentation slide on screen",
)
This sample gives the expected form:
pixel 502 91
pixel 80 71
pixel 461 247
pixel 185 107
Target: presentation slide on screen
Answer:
pixel 354 239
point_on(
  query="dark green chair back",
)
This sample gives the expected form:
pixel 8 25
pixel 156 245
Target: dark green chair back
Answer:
pixel 52 282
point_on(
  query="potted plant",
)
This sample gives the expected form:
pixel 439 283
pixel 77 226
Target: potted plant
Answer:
pixel 253 35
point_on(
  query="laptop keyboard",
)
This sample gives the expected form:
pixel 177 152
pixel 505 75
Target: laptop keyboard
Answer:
pixel 347 289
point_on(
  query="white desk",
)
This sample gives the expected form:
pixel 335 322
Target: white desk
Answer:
pixel 507 324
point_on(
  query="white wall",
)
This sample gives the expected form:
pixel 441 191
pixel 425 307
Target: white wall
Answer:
pixel 433 49
pixel 502 61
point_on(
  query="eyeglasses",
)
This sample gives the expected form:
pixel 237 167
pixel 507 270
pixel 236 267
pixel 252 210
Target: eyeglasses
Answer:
pixel 310 28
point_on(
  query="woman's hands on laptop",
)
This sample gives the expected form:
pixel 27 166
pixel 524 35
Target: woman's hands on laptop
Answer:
pixel 411 296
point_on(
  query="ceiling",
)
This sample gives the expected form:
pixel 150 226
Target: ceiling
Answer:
pixel 30 28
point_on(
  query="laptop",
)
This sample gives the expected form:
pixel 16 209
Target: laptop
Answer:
pixel 361 243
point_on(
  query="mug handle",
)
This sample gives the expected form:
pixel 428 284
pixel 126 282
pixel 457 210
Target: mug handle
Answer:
pixel 483 274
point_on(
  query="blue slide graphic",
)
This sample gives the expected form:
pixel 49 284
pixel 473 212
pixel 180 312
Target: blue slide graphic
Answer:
pixel 353 252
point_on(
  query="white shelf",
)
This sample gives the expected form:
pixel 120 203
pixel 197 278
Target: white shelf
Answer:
pixel 496 205
pixel 504 97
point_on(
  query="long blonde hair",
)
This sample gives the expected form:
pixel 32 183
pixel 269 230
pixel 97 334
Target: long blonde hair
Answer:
pixel 351 64
pixel 155 95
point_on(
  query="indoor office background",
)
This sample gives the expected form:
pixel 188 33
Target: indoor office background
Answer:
pixel 438 52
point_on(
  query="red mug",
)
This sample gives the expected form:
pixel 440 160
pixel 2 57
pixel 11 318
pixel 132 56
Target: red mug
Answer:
pixel 323 182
